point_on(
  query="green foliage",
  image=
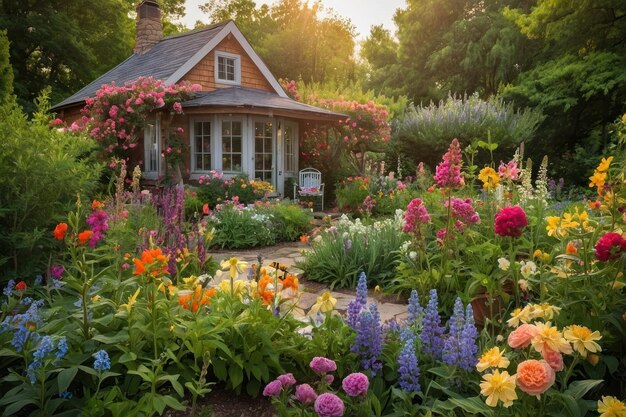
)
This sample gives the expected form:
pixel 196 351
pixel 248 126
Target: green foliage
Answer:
pixel 290 221
pixel 41 173
pixel 351 192
pixel 424 132
pixel 6 72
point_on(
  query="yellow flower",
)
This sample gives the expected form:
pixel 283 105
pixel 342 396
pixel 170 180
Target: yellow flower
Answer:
pixel 550 338
pixel 519 315
pixel 611 407
pixel 325 303
pixel 568 221
pixel 95 298
pixel 493 358
pixel 597 180
pixel 582 339
pixel 131 300
pixel 498 387
pixel 235 266
pixel 543 311
pixel 605 164
pixel 239 287
pixel 554 227
pixel 489 177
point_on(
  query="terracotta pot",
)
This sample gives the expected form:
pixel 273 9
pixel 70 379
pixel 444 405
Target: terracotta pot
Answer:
pixel 480 305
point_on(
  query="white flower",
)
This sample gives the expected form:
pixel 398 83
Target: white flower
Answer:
pixel 504 264
pixel 528 268
pixel 523 285
pixel 413 255
pixel 317 238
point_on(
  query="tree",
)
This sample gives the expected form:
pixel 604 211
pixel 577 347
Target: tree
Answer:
pixel 6 72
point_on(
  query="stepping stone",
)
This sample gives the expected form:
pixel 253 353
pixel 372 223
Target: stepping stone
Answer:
pixel 307 300
pixel 389 311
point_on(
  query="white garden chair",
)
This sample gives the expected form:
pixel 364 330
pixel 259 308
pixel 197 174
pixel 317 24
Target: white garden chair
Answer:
pixel 310 184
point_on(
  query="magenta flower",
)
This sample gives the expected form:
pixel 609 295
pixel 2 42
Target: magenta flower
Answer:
pixel 464 212
pixel 355 384
pixel 56 271
pixel 273 389
pixel 610 246
pixel 448 172
pixel 305 394
pixel 328 405
pixel 509 170
pixel 415 215
pixel 178 108
pixel 321 365
pixel 510 221
pixel 287 380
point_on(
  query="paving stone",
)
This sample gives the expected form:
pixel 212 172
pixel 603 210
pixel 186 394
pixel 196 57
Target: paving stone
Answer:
pixel 307 300
pixel 389 311
pixel 342 300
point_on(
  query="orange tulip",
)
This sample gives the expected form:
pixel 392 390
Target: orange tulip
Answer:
pixel 83 237
pixel 60 230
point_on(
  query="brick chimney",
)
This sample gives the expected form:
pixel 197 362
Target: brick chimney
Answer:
pixel 149 27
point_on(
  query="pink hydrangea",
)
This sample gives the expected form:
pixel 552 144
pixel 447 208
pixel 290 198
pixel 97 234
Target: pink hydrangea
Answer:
pixel 329 405
pixel 321 365
pixel 287 380
pixel 510 221
pixel 273 389
pixel 610 246
pixel 305 394
pixel 355 384
pixel 415 215
pixel 448 172
pixel 509 170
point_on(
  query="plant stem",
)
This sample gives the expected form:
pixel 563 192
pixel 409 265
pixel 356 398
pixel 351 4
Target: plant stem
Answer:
pixel 153 314
pixel 85 312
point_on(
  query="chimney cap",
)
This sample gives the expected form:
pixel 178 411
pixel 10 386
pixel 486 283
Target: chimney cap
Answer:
pixel 149 9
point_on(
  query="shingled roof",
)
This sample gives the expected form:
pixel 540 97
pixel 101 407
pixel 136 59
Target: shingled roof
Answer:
pixel 160 62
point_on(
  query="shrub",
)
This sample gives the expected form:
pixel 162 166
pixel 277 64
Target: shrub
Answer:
pixel 290 221
pixel 42 171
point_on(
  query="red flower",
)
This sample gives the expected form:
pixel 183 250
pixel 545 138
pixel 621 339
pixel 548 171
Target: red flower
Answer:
pixel 21 286
pixel 60 230
pixel 84 237
pixel 205 209
pixel 510 221
pixel 610 246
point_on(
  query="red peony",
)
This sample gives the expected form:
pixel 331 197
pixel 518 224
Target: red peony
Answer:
pixel 610 246
pixel 510 221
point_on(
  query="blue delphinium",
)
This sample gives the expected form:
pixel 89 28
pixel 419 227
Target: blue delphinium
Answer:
pixel 61 348
pixel 102 361
pixel 359 303
pixel 369 339
pixel 45 346
pixel 415 309
pixel 23 326
pixel 469 346
pixel 452 344
pixel 408 366
pixel 432 342
pixel 66 395
pixel 8 290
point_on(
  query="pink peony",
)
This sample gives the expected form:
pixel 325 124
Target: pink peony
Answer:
pixel 610 247
pixel 328 405
pixel 178 108
pixel 321 365
pixel 510 221
pixel 305 394
pixel 448 172
pixel 554 359
pixel 355 384
pixel 287 380
pixel 535 377
pixel 521 337
pixel 273 389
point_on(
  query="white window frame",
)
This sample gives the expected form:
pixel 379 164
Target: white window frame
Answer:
pixel 195 172
pixel 152 175
pixel 219 146
pixel 253 121
pixel 237 62
pixel 295 148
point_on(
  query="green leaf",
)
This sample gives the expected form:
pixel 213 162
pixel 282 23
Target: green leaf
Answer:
pixel 65 378
pixel 172 402
pixel 121 336
pixel 578 389
pixel 235 373
pixel 127 357
pixel 12 409
pixel 9 353
pixel 473 405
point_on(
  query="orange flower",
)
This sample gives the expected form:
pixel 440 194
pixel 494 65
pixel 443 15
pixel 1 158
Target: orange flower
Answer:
pixel 290 281
pixel 304 238
pixel 154 261
pixel 97 205
pixel 535 377
pixel 267 295
pixel 193 300
pixel 60 231
pixel 571 248
pixel 83 237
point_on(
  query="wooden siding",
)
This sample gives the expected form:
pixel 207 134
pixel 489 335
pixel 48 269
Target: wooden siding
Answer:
pixel 204 72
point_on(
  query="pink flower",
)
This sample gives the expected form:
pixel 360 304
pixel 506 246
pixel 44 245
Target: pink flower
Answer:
pixel 355 384
pixel 554 359
pixel 328 405
pixel 305 394
pixel 178 108
pixel 448 172
pixel 321 365
pixel 415 215
pixel 113 111
pixel 329 379
pixel 510 221
pixel 464 211
pixel 521 337
pixel 273 389
pixel 287 380
pixel 610 247
pixel 508 171
pixel 535 377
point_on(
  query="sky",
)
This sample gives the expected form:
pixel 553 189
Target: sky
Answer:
pixel 362 13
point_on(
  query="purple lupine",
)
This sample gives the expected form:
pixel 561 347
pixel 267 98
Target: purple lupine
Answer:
pixel 171 204
pixel 98 223
pixel 432 342
pixel 415 309
pixel 469 336
pixel 452 344
pixel 369 339
pixel 358 304
pixel 408 366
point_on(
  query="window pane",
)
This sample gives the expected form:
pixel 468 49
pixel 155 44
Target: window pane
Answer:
pixel 236 162
pixel 236 128
pixel 236 144
pixel 202 146
pixel 226 163
pixel 199 162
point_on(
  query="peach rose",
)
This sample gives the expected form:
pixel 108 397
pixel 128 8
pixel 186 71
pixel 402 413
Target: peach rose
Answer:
pixel 554 359
pixel 521 337
pixel 535 377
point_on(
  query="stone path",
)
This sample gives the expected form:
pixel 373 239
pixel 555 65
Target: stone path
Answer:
pixel 291 253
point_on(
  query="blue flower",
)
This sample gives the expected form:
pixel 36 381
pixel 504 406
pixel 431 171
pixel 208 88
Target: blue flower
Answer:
pixel 38 280
pixel 415 309
pixel 432 343
pixel 26 301
pixel 359 303
pixel 469 345
pixel 452 345
pixel 62 348
pixel 45 346
pixel 347 246
pixel 23 326
pixel 102 361
pixel 408 366
pixel 8 290
pixel 361 289
pixel 369 339
pixel 65 395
